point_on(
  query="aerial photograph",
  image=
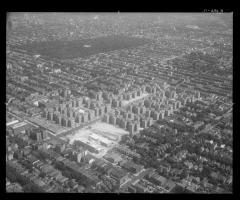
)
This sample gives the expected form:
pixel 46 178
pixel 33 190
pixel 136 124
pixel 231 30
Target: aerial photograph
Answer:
pixel 119 102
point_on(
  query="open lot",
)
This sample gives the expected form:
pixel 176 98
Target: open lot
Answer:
pixel 103 132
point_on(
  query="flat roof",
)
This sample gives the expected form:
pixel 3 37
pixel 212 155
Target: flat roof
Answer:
pixel 20 124
pixel 12 122
pixel 86 141
pixel 98 137
pixel 56 129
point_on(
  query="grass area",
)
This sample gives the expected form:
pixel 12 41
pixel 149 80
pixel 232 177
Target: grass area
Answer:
pixel 74 49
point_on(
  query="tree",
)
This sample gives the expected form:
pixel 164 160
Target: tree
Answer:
pixel 32 188
pixel 42 175
pixel 43 155
pixel 206 171
pixel 10 175
pixel 21 179
pixel 14 176
pixel 178 189
pixel 67 173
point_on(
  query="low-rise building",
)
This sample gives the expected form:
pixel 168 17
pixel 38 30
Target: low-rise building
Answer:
pixel 132 167
pixel 119 175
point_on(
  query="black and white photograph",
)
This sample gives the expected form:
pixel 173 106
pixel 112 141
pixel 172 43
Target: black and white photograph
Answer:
pixel 119 102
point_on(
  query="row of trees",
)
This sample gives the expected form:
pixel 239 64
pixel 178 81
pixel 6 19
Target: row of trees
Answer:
pixel 41 155
pixel 69 173
pixel 210 155
pixel 21 143
pixel 27 185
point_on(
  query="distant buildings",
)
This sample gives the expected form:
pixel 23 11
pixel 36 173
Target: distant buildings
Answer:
pixel 172 95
